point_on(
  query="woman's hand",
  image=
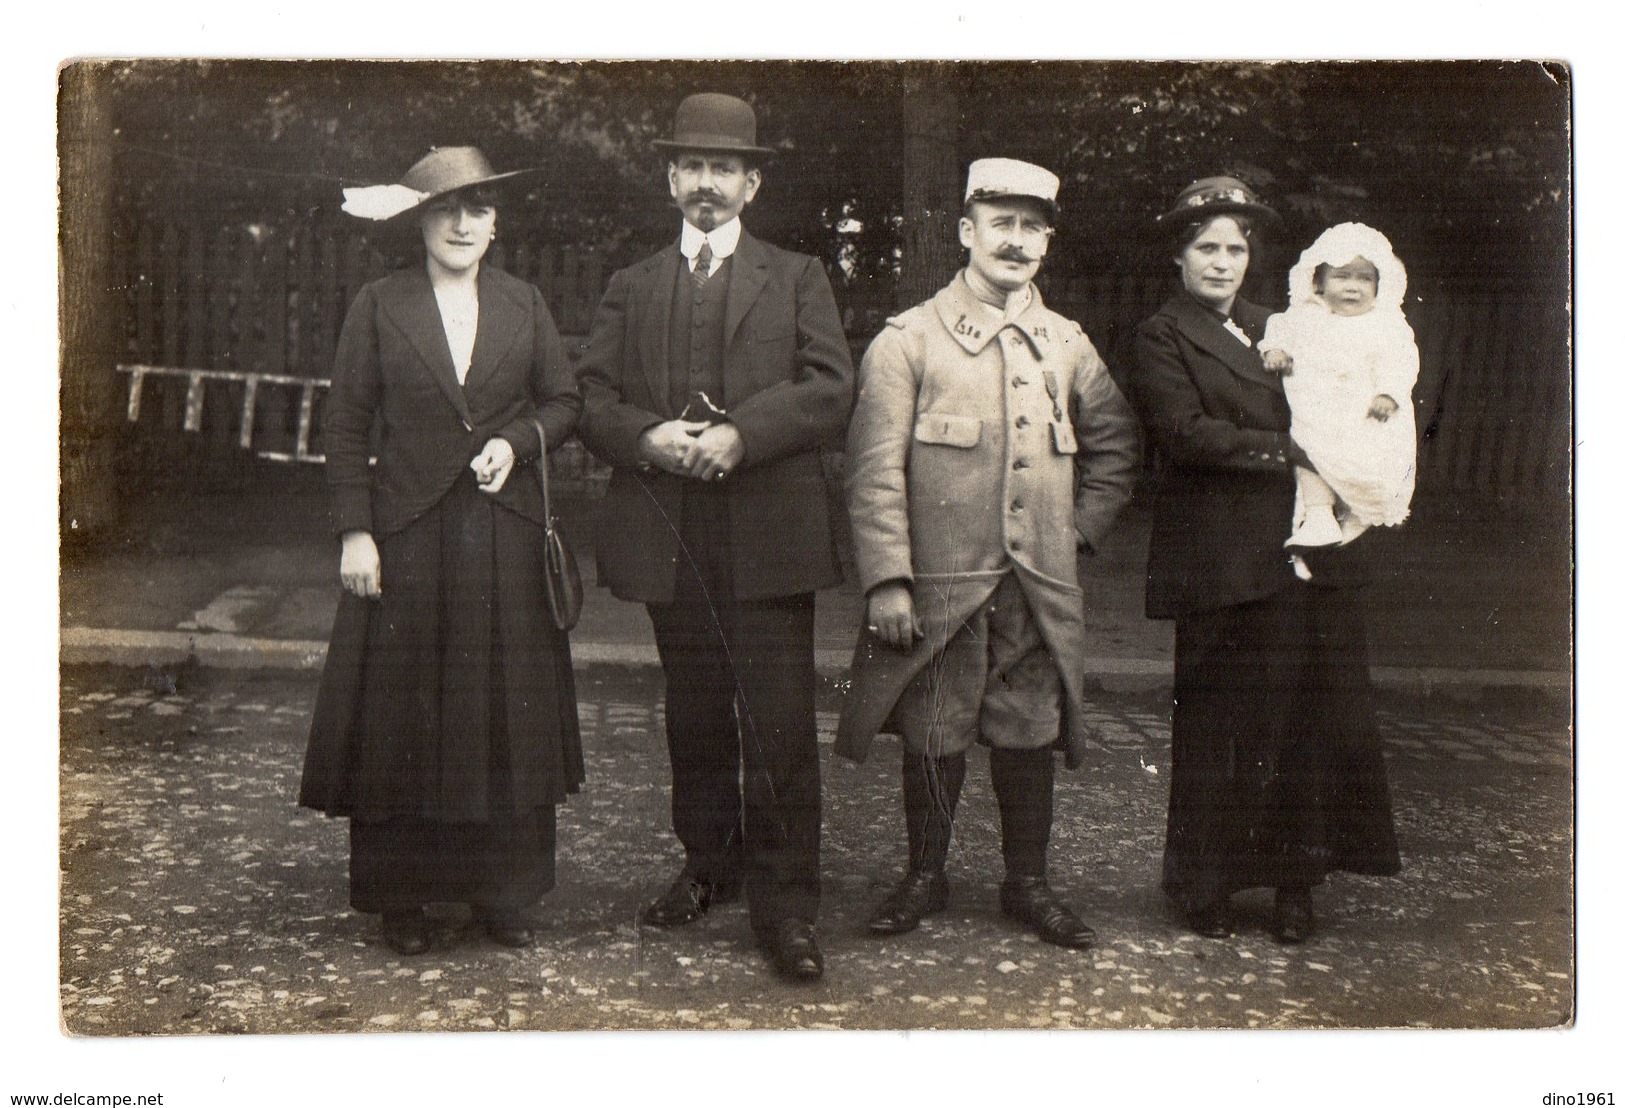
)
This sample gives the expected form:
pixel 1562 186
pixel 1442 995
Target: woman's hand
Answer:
pixel 360 570
pixel 891 615
pixel 1382 407
pixel 493 465
pixel 1278 361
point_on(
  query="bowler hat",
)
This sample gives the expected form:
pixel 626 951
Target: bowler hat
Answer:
pixel 714 121
pixel 1212 196
pixel 442 170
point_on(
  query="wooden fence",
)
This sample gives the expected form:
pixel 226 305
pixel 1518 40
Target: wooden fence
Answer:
pixel 258 303
pixel 1494 407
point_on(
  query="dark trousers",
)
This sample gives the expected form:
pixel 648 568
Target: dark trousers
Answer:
pixel 739 697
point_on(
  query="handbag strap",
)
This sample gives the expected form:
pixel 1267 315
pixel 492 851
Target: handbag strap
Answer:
pixel 541 472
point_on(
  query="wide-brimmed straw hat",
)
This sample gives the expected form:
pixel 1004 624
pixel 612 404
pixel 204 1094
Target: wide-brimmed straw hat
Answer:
pixel 1212 196
pixel 442 170
pixel 714 121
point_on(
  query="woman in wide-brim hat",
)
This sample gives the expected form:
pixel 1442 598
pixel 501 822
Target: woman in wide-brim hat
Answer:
pixel 1277 775
pixel 445 725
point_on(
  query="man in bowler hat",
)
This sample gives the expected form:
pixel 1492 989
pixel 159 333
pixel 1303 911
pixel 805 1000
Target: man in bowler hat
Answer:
pixel 715 374
pixel 989 450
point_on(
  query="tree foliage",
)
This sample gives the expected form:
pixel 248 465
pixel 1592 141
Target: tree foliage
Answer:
pixel 1464 165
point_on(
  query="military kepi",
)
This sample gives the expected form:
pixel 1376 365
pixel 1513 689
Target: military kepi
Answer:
pixel 996 178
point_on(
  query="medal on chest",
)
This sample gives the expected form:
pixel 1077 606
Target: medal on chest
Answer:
pixel 1060 431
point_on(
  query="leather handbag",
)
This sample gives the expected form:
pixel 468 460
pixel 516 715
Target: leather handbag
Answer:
pixel 561 574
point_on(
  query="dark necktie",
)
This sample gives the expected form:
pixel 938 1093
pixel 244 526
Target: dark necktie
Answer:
pixel 702 266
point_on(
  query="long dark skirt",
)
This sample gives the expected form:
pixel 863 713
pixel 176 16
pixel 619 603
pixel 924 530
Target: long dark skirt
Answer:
pixel 445 725
pixel 1278 777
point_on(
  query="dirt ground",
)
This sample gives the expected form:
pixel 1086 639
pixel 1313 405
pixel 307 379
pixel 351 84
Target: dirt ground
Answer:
pixel 198 899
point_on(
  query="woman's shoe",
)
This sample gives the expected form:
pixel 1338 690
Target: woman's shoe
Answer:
pixel 406 931
pixel 1294 915
pixel 506 927
pixel 1213 920
pixel 514 933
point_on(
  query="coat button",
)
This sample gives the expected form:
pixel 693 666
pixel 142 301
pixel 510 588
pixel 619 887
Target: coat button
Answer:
pixel 1016 505
pixel 1021 463
pixel 1022 421
pixel 1015 544
pixel 1017 382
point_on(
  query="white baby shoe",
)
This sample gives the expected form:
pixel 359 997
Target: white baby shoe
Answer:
pixel 1319 528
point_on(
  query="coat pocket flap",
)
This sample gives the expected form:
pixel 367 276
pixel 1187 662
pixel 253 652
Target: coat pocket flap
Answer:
pixel 948 430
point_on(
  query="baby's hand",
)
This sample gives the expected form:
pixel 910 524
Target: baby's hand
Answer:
pixel 1278 361
pixel 1382 406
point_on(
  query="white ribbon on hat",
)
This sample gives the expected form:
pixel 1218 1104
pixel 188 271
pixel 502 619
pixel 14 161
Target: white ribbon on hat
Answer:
pixel 382 201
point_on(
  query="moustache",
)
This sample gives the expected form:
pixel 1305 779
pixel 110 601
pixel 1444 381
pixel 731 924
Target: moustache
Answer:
pixel 704 196
pixel 1012 255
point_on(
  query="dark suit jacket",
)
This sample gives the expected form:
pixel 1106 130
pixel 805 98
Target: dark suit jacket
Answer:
pixel 787 378
pixel 393 365
pixel 1220 423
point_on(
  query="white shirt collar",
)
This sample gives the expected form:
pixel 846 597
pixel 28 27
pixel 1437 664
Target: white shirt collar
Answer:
pixel 724 241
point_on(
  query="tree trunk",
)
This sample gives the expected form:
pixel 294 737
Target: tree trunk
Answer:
pixel 90 390
pixel 932 190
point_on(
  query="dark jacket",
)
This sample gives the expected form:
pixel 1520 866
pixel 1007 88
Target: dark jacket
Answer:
pixel 1220 423
pixel 393 365
pixel 787 379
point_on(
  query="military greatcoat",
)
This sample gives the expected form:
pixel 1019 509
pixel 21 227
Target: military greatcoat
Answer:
pixel 980 446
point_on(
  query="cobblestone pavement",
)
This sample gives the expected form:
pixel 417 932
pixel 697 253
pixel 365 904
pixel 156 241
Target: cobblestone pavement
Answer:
pixel 197 898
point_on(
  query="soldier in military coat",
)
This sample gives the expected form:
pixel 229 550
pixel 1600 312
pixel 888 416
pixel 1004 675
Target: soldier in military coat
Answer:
pixel 989 448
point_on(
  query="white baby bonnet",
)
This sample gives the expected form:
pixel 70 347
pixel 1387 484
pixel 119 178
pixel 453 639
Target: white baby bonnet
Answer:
pixel 1339 245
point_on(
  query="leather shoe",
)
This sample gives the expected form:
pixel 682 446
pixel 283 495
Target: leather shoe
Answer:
pixel 1213 920
pixel 918 894
pixel 688 899
pixel 1030 900
pixel 794 951
pixel 510 931
pixel 1294 920
pixel 406 932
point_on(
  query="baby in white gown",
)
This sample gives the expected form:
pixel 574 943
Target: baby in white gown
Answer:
pixel 1348 360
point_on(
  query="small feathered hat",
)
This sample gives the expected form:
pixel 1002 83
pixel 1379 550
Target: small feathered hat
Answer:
pixel 1210 196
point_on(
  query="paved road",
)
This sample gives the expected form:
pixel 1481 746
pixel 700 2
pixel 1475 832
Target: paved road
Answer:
pixel 198 899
